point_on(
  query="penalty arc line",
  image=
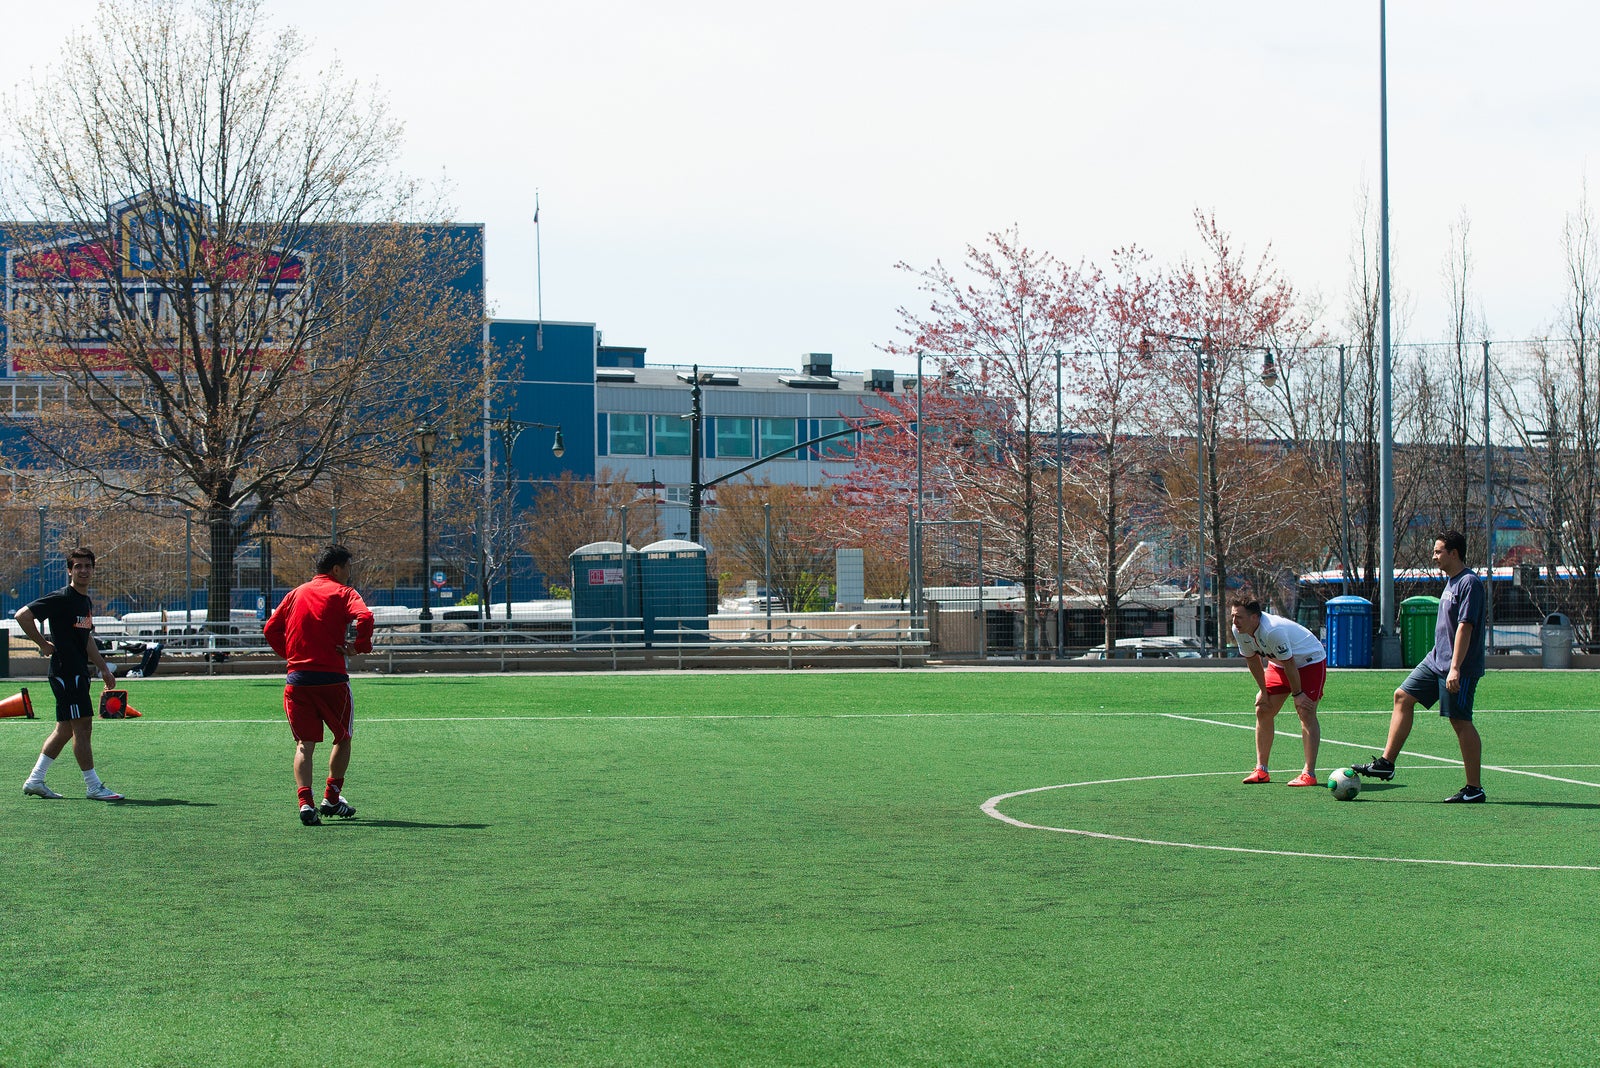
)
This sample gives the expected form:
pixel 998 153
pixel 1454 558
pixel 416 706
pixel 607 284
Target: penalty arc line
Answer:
pixel 1403 752
pixel 991 808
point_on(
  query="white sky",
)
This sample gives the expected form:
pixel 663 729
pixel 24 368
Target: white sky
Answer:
pixel 733 182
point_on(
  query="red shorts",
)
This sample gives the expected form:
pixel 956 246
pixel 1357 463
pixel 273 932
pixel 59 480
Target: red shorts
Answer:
pixel 1312 676
pixel 309 707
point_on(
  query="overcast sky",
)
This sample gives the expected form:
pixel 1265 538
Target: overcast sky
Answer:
pixel 733 182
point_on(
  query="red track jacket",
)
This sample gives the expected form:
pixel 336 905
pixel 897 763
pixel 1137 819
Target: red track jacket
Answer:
pixel 308 627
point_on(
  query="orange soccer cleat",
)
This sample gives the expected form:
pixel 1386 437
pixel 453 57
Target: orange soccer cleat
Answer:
pixel 1305 778
pixel 1259 775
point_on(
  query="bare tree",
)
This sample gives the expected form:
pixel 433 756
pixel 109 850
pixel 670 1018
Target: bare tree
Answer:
pixel 1556 415
pixel 800 561
pixel 1454 387
pixel 227 276
pixel 571 512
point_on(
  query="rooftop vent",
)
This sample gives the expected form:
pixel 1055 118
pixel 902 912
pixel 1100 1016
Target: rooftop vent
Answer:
pixel 710 378
pixel 879 381
pixel 817 364
pixel 809 381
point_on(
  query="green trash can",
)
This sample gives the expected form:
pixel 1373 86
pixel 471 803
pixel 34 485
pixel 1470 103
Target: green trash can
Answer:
pixel 1418 617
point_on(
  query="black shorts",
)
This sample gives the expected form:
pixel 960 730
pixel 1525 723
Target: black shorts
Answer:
pixel 1427 686
pixel 72 698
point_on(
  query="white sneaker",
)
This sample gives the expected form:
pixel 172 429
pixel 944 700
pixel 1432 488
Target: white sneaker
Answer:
pixel 102 793
pixel 39 789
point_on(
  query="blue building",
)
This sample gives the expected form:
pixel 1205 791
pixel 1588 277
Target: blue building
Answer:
pixel 616 413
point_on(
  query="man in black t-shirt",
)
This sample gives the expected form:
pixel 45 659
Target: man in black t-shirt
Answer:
pixel 69 613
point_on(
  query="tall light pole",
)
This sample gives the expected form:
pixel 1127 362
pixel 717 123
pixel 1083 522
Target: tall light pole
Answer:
pixel 510 430
pixel 1389 643
pixel 1488 510
pixel 1344 489
pixel 427 439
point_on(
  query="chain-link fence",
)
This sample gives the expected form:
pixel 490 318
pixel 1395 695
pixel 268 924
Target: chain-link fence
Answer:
pixel 1500 443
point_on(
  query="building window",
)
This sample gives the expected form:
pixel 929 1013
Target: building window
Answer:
pixel 777 435
pixel 672 435
pixel 735 437
pixel 839 447
pixel 628 435
pixel 676 495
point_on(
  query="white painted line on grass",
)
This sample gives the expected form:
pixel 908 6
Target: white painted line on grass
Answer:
pixel 991 808
pixel 1404 752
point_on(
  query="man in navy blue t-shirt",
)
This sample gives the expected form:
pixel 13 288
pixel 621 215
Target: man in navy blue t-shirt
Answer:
pixel 1449 674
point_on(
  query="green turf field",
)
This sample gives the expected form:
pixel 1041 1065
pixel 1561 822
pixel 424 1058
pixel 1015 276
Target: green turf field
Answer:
pixel 799 869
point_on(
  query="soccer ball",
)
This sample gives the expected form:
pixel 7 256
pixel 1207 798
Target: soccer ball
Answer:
pixel 1345 784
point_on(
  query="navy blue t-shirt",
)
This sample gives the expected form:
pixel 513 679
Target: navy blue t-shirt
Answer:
pixel 1463 601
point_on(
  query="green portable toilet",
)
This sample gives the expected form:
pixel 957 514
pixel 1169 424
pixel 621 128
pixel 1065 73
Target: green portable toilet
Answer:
pixel 1418 616
pixel 605 593
pixel 674 593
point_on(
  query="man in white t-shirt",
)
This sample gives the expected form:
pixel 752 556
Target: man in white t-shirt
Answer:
pixel 1288 661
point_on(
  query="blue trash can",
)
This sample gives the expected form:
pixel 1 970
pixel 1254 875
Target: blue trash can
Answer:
pixel 1349 632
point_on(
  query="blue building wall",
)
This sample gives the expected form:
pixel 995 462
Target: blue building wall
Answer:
pixel 548 377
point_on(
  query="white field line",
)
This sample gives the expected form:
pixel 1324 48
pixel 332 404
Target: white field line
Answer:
pixel 1404 752
pixel 991 808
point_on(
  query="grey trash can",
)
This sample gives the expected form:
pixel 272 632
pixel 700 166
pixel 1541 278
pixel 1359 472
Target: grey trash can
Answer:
pixel 1555 641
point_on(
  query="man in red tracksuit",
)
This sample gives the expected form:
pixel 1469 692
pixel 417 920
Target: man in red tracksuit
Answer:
pixel 310 629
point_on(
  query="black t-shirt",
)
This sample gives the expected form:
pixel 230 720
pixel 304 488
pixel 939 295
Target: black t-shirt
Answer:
pixel 70 619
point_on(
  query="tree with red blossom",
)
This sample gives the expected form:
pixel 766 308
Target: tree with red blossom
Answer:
pixel 994 330
pixel 1115 437
pixel 1214 344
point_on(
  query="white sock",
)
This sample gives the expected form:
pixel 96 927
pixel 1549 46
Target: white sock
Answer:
pixel 91 779
pixel 40 768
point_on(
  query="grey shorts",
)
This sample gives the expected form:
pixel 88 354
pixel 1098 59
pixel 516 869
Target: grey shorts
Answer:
pixel 1427 686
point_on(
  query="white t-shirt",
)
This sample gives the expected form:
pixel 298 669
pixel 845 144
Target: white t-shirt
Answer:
pixel 1280 639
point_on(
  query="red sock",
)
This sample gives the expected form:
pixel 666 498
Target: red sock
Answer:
pixel 305 795
pixel 335 787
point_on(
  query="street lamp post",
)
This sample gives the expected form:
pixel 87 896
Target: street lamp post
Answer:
pixel 510 430
pixel 427 439
pixel 697 488
pixel 1200 346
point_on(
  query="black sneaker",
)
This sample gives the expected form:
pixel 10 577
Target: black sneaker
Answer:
pixel 1467 795
pixel 1377 768
pixel 309 817
pixel 342 808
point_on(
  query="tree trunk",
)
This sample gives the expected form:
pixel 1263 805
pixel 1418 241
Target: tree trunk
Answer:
pixel 224 548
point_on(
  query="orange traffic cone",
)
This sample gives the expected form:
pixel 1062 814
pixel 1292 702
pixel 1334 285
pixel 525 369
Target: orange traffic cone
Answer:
pixel 114 705
pixel 18 705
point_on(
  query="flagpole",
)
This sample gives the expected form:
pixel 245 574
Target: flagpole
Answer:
pixel 538 275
